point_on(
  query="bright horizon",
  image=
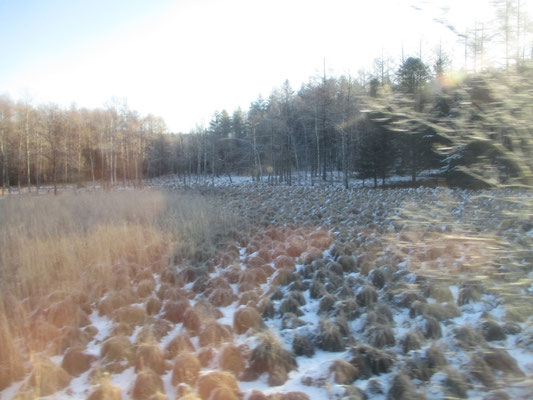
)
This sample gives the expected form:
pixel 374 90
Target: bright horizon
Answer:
pixel 182 60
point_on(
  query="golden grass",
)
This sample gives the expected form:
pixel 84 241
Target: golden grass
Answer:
pixel 80 245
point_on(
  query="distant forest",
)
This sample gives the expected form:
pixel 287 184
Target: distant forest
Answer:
pixel 472 128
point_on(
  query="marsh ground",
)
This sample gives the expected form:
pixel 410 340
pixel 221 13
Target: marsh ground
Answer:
pixel 254 290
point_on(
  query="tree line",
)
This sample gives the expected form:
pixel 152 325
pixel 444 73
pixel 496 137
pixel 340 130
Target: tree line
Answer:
pixel 473 127
pixel 48 144
pixel 332 128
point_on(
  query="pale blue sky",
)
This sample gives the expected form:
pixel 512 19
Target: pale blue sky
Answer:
pixel 184 59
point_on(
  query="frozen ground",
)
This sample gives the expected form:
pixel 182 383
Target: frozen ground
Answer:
pixel 397 293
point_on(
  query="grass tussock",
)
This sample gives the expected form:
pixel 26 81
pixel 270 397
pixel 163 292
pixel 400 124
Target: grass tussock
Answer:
pixel 60 254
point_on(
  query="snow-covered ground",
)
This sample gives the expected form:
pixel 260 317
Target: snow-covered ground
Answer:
pixel 431 285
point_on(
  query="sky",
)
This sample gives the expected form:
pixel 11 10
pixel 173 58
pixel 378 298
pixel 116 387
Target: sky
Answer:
pixel 185 59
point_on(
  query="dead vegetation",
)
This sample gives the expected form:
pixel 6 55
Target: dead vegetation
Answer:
pixel 383 295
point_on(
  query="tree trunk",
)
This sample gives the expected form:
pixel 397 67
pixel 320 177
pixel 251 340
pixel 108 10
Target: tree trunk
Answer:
pixel 92 165
pixel 4 163
pixel 123 165
pixel 54 166
pixel 27 129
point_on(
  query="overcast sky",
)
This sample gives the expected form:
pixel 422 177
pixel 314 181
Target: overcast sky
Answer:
pixel 182 60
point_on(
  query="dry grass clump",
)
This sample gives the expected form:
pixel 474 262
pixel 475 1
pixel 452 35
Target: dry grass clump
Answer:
pixel 206 355
pixel 440 292
pixel 212 381
pixel 174 311
pixel 491 331
pixel 343 372
pixel 284 262
pixel 221 297
pixel 329 336
pixel 215 283
pixel 499 359
pixel 317 289
pixel 153 306
pixel 75 337
pixel 147 384
pixel 214 334
pixel 149 355
pixel 117 348
pixel 266 307
pixel 468 294
pixel 47 378
pixel 440 312
pixel 326 303
pixel 250 298
pixel 371 361
pixel 231 273
pixel 403 389
pixel 76 362
pixel 456 384
pixel 11 361
pixel 378 278
pixel 186 369
pixel 348 308
pixel 115 300
pixel 367 296
pixel 435 358
pixel 382 336
pixel 247 318
pixel 468 337
pixel 411 341
pixel 145 288
pixel 290 305
pixel 67 313
pixel 269 356
pixel 303 346
pixel 231 359
pixel 193 321
pixel 181 343
pixel 320 239
pixel 105 391
pixel 296 246
pixel 348 263
pixel 257 261
pixel 481 371
pixel 432 328
pixel 130 315
pixel 291 321
pixel 253 276
pixel 66 244
pixel 335 268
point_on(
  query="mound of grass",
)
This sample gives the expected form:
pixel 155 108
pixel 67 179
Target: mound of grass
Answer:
pixel 371 361
pixel 213 381
pixel 179 344
pixel 269 356
pixel 149 355
pixel 147 384
pixel 215 334
pixel 186 369
pixel 105 391
pixel 117 348
pixel 94 244
pixel 47 378
pixel 343 372
pixel 329 336
pixel 403 389
pixel 76 362
pixel 247 318
pixel 231 359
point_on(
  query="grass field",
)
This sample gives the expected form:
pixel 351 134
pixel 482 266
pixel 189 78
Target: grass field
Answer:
pixel 257 290
pixel 79 247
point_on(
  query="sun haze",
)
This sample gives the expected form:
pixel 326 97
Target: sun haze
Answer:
pixel 182 60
